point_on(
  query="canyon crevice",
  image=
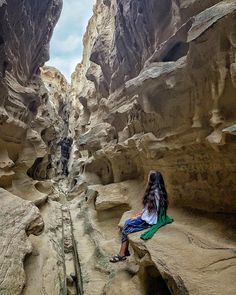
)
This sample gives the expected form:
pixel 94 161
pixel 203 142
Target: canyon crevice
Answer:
pixel 155 90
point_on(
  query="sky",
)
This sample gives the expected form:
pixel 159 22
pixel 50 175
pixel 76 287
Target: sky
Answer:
pixel 66 47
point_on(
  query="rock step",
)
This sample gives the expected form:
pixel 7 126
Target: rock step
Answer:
pixel 195 255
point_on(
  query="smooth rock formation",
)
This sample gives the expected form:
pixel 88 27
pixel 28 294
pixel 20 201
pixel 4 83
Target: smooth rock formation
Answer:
pixel 171 109
pixel 157 91
pixel 22 92
pixel 18 220
pixel 44 268
pixel 24 149
pixel 193 255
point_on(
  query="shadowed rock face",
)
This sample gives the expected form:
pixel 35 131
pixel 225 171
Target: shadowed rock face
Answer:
pixel 140 27
pixel 25 31
pixel 24 51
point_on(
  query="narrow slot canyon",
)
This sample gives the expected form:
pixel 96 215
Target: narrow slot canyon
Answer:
pixel 155 90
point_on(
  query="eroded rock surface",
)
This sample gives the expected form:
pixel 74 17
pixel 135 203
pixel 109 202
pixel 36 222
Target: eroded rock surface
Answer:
pixel 18 220
pixel 46 264
pixel 196 248
pixel 174 101
pixel 157 91
pixel 25 148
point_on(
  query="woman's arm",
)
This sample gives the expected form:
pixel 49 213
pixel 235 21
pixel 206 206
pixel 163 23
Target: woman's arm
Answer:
pixel 138 214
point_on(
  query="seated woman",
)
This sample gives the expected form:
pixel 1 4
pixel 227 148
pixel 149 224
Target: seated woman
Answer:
pixel 154 200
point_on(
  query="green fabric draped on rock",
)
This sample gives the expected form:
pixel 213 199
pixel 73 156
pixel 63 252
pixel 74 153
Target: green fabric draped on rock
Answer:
pixel 162 220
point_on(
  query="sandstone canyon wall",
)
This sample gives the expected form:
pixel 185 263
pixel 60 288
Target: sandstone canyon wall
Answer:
pixel 156 89
pixel 26 121
pixel 172 105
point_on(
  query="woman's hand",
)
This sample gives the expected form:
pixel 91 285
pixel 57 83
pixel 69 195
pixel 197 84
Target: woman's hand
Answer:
pixel 137 215
pixel 133 218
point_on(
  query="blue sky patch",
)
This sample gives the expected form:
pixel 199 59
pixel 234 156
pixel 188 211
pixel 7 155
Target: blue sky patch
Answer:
pixel 66 47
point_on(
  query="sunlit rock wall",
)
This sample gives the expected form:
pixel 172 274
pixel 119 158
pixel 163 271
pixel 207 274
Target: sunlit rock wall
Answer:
pixel 157 91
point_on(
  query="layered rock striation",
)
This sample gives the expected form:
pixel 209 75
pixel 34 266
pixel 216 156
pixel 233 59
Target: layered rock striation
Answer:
pixel 172 105
pixel 25 31
pixel 24 49
pixel 157 92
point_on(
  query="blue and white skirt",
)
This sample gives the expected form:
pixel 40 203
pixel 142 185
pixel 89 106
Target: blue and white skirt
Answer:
pixel 132 226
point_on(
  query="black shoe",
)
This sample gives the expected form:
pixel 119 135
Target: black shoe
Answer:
pixel 127 253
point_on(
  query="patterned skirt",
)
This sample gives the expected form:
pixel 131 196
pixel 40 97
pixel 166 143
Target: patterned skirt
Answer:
pixel 132 226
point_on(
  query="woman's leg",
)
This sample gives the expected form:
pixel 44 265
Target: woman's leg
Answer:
pixel 124 248
pixel 130 226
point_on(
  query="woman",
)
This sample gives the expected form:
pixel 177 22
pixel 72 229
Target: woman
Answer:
pixel 154 201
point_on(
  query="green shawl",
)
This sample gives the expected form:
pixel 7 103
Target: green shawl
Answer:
pixel 162 220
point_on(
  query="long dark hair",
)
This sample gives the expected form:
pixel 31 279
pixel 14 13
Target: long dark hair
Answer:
pixel 155 182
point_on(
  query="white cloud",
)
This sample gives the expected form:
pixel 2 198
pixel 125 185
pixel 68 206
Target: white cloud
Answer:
pixel 65 66
pixel 76 11
pixel 69 44
pixel 66 46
